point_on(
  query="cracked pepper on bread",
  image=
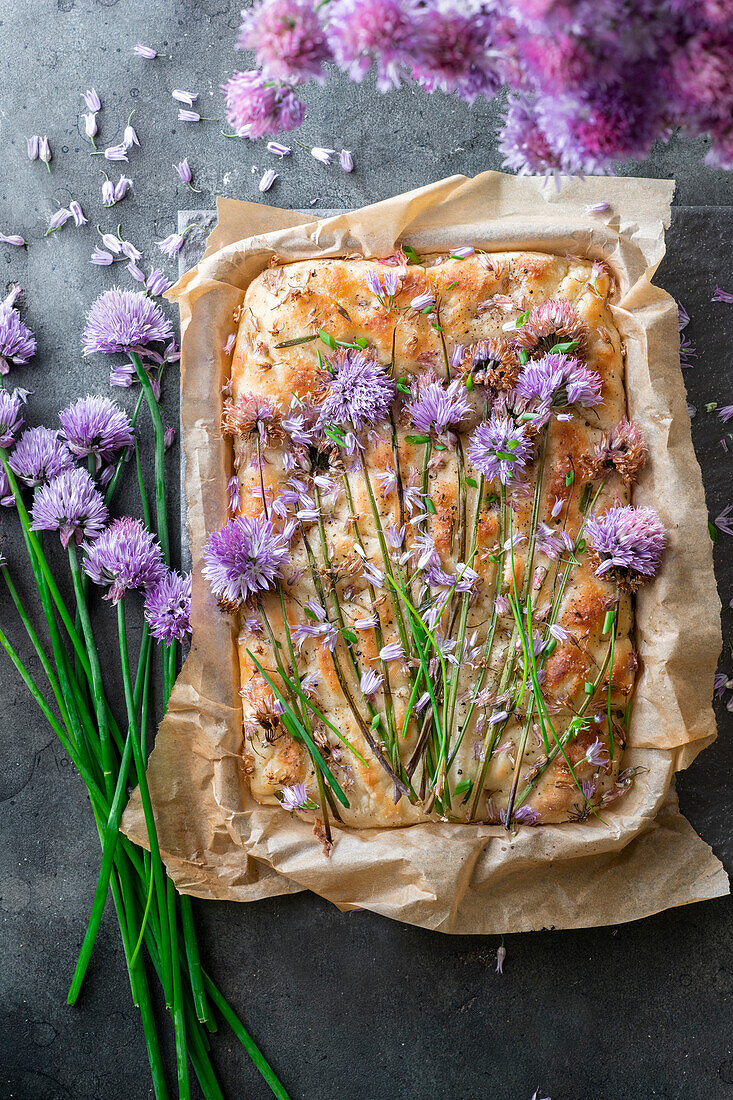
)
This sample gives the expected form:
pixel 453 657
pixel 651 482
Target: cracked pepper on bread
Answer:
pixel 424 442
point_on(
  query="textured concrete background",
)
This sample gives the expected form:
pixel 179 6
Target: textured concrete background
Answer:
pixel 345 1006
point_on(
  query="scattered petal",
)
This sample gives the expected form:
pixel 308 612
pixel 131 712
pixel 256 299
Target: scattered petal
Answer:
pixel 267 180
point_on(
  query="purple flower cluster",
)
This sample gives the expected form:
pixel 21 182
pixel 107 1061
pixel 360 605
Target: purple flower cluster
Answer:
pixel 501 449
pixel 627 543
pixel 360 392
pixel 557 380
pixel 96 426
pixel 71 505
pixel 39 456
pixel 124 320
pixel 17 342
pixel 591 83
pixel 243 558
pixel 168 608
pixel 437 408
pixel 125 556
pixel 10 418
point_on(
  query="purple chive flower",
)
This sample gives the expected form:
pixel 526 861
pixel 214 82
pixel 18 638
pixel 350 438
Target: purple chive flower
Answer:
pixel 189 98
pixel 122 187
pixel 346 160
pixel 722 296
pixel 17 342
pixel 370 682
pixel 184 170
pixel 57 219
pixel 39 456
pixel 127 248
pixel 112 243
pixel 559 380
pixel 523 815
pixel 233 488
pixel 725 412
pixel 422 301
pixel 116 152
pixel 386 291
pixel 172 244
pixel 125 556
pixel 44 152
pixel 383 33
pixel 388 482
pixel 168 608
pixel 597 207
pixel 393 651
pixel 559 632
pixel 463 252
pixel 278 149
pixel 322 155
pixel 501 449
pixel 101 258
pixel 500 957
pixel 295 797
pixel 169 437
pixel 13 238
pixel 523 142
pixel 287 38
pixel 267 180
pixel 231 341
pixel 34 145
pixel 96 426
pixel 129 137
pixel 77 213
pixel 360 392
pixel 71 505
pixel 90 126
pixel 144 51
pixel 244 558
pixel 597 755
pixel 724 520
pixel 628 543
pixel 10 418
pixel 436 408
pixel 157 283
pixel 92 100
pixel 137 272
pixel 185 115
pixel 122 320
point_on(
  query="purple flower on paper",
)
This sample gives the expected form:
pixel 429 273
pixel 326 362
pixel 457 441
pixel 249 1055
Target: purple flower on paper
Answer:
pixel 370 682
pixel 244 558
pixel 322 155
pixel 557 380
pixel 277 149
pixel 597 207
pixel 287 38
pixel 34 146
pixel 597 755
pixel 722 296
pixel 15 239
pixel 233 490
pixel 627 544
pixel 463 252
pixel 116 152
pixel 268 178
pixel 383 33
pixel 500 448
pixel 77 213
pixel 157 283
pixel 724 521
pixel 346 160
pixel 144 51
pixel 437 407
pixel 360 392
pixel 168 608
pixel 171 245
pixel 92 100
pixel 256 108
pixel 101 258
pixel 189 98
pixel 10 418
pixel 125 556
pixel 123 320
pixel 295 798
pixel 71 505
pixel 17 342
pixel 393 651
pixel 39 456
pixel 96 426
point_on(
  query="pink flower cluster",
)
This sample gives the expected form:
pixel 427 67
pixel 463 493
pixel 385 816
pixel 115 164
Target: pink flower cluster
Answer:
pixel 590 84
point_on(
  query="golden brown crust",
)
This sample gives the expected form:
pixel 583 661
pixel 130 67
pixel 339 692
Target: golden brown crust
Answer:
pixel 477 297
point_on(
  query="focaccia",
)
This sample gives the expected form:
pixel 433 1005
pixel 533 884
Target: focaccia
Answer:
pixel 295 320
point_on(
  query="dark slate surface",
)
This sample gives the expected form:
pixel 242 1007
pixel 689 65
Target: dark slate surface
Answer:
pixel 345 1006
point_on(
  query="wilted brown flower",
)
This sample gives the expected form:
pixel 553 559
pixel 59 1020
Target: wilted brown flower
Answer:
pixel 491 363
pixel 252 415
pixel 621 450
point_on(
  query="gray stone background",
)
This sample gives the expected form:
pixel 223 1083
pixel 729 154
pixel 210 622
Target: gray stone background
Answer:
pixel 345 1006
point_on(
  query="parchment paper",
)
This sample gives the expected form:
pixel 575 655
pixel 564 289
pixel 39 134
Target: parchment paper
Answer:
pixel 218 842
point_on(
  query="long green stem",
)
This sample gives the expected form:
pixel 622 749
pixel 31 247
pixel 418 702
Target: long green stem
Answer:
pixel 159 433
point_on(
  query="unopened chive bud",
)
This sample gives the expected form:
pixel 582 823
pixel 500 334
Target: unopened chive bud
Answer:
pixel 588 688
pixel 609 620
